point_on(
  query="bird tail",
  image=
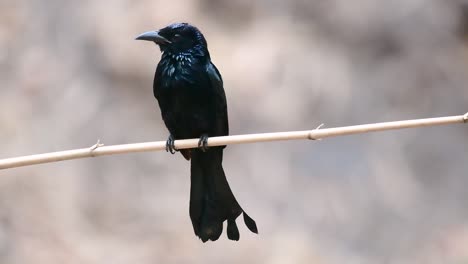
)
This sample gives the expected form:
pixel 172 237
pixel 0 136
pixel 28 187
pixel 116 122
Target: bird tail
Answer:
pixel 211 199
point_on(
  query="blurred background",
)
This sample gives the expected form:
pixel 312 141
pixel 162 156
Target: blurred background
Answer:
pixel 71 73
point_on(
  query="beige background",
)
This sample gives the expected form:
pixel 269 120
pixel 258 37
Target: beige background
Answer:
pixel 71 72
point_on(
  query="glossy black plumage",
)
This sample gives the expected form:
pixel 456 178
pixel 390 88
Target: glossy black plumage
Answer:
pixel 190 93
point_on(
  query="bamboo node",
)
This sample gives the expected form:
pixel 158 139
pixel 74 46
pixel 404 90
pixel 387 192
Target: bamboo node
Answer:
pixel 95 146
pixel 310 137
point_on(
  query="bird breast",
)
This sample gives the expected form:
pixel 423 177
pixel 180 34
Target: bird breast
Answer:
pixel 176 64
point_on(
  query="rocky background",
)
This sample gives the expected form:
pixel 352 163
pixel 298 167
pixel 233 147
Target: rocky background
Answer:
pixel 71 73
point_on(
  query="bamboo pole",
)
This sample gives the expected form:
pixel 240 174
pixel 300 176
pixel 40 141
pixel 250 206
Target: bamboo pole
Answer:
pixel 100 150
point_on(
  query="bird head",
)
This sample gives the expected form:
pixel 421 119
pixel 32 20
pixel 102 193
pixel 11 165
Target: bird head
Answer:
pixel 177 38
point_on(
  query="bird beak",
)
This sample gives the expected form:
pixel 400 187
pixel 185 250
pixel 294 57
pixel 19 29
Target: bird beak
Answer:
pixel 153 36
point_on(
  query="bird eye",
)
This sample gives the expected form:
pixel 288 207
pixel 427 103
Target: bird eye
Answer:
pixel 176 37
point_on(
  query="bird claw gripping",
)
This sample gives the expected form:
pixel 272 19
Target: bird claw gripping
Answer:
pixel 170 145
pixel 203 143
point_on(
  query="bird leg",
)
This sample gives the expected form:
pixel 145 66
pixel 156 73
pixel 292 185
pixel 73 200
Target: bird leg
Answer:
pixel 170 145
pixel 203 142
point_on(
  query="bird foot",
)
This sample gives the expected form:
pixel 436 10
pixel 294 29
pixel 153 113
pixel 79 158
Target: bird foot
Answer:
pixel 170 145
pixel 203 142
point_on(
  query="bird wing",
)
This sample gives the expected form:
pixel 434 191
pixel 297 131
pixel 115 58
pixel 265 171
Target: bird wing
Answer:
pixel 216 81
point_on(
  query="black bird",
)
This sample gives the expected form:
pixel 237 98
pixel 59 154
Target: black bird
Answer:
pixel 190 93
